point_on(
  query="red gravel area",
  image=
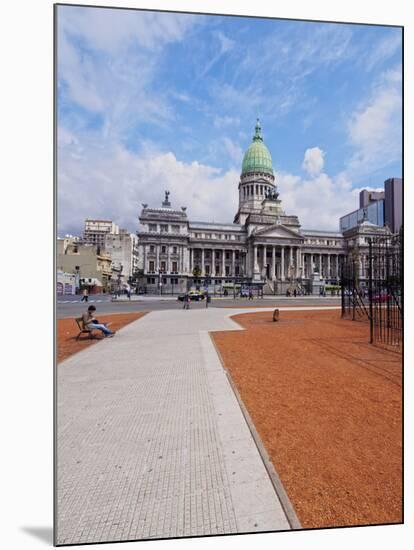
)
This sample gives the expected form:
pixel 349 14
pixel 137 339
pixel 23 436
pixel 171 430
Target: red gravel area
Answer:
pixel 67 330
pixel 328 408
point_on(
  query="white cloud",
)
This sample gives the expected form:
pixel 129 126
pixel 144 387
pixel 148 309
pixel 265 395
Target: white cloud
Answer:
pixel 224 121
pixel 112 182
pixel 385 49
pixel 318 201
pixel 313 161
pixel 375 127
pixel 113 30
pixel 234 150
pixel 100 180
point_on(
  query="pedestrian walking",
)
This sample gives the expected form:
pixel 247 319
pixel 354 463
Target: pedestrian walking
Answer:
pixel 250 294
pixel 85 295
pixel 186 301
pixel 129 293
pixel 207 299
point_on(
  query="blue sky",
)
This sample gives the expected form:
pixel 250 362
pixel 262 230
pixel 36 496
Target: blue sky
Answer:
pixel 151 101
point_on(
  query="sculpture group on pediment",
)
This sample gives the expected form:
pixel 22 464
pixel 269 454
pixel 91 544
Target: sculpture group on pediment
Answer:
pixel 271 194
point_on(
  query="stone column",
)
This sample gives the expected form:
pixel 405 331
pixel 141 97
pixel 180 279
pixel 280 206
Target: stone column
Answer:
pixel 329 266
pixel 282 263
pixel 297 262
pixel 191 260
pixel 157 266
pixel 202 262
pixel 223 263
pixel 290 258
pixel 337 266
pixel 272 271
pixel 255 264
pixel 320 265
pixel 213 262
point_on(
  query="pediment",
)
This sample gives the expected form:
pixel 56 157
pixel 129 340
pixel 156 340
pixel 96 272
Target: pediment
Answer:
pixel 278 231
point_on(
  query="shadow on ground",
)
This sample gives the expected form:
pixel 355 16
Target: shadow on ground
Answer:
pixel 44 534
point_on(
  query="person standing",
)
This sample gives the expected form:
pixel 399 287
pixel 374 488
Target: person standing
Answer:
pixel 186 301
pixel 85 295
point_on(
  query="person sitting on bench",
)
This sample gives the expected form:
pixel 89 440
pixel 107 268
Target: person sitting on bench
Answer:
pixel 91 323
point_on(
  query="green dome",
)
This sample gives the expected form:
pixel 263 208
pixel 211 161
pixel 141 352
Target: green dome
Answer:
pixel 257 157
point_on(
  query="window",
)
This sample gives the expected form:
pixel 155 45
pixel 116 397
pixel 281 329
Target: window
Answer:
pixel 174 281
pixel 208 235
pixel 151 280
pixel 151 266
pixel 163 250
pixel 163 266
pixel 175 228
pixel 164 228
pixel 152 227
pixel 207 269
pixel 174 267
pixel 174 250
pixel 227 255
pixel 152 248
pixel 164 280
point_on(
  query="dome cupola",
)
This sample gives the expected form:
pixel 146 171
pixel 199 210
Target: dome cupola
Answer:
pixel 257 158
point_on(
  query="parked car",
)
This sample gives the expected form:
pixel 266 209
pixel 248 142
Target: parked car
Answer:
pixel 195 295
pixel 381 297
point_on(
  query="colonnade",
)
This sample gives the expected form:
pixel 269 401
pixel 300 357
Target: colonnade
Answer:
pixel 213 262
pixel 282 262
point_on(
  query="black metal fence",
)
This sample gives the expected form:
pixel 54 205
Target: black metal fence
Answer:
pixel 376 295
pixel 386 290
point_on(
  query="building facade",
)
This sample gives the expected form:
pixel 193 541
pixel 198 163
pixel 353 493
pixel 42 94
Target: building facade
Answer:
pixel 264 247
pixel 92 267
pixel 95 231
pixel 123 249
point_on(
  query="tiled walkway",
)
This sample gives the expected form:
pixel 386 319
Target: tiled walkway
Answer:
pixel 152 442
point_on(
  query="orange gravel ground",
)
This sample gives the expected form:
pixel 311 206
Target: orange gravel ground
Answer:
pixel 328 408
pixel 67 330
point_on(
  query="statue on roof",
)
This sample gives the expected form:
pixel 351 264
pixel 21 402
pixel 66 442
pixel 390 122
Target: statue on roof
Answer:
pixel 166 202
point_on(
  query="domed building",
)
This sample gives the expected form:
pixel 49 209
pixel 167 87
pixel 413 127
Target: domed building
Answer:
pixel 264 249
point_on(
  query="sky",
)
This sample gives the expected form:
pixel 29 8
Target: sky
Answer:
pixel 150 101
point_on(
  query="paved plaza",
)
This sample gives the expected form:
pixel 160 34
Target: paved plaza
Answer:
pixel 151 440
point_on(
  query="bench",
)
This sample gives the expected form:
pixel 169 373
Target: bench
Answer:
pixel 83 329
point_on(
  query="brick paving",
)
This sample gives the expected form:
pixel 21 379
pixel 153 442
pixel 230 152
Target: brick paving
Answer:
pixel 151 441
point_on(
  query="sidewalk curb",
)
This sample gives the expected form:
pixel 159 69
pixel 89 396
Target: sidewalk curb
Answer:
pixel 280 491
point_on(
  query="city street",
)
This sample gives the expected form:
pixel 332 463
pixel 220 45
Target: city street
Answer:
pixel 71 306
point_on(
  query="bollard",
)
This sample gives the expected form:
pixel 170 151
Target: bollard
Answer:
pixel 276 315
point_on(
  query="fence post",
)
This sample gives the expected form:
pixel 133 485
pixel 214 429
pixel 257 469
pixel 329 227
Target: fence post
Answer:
pixel 371 317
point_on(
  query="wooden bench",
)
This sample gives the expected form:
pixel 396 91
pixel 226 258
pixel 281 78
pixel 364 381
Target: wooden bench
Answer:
pixel 83 329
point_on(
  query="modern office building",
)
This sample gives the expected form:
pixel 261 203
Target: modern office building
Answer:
pixel 378 207
pixel 393 203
